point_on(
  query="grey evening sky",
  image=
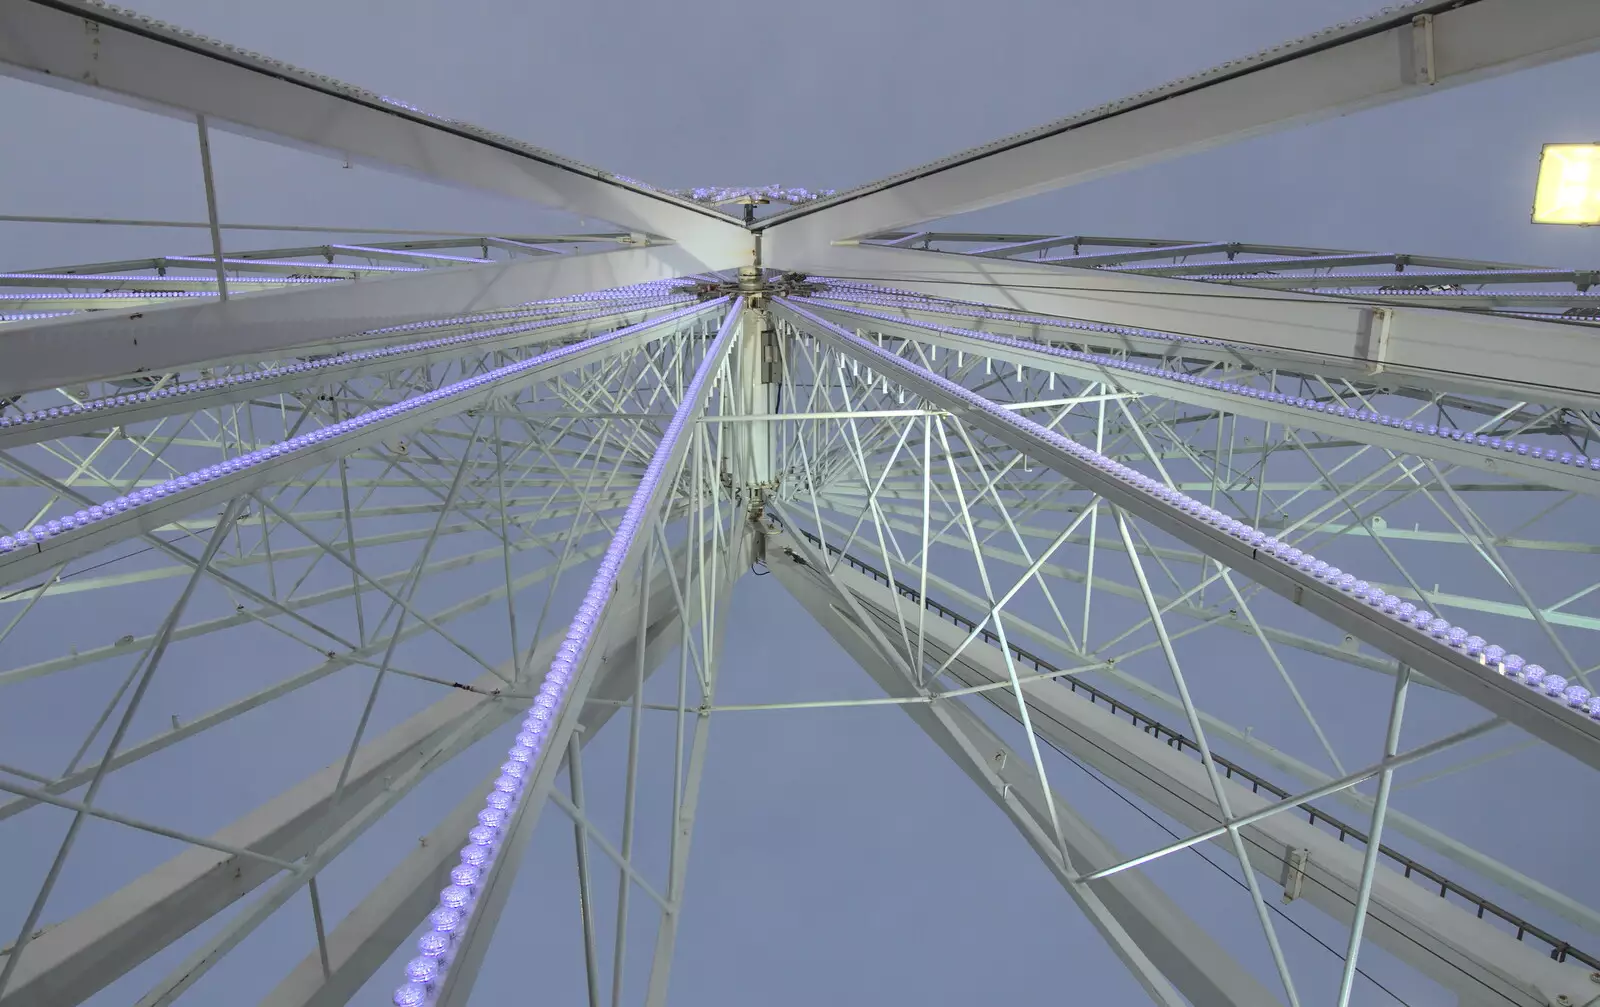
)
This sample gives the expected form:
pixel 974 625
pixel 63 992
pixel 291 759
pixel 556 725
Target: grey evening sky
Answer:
pixel 839 857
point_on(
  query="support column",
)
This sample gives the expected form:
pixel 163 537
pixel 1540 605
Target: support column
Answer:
pixel 211 206
pixel 756 375
pixel 1479 962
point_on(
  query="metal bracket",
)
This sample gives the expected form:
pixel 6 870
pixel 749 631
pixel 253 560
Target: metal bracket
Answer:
pixel 91 30
pixel 1372 337
pixel 1294 873
pixel 1423 70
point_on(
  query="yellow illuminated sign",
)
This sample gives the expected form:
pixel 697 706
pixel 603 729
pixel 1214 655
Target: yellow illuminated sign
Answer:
pixel 1569 184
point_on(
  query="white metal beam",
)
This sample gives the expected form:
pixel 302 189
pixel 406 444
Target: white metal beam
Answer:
pixel 1407 442
pixel 1455 850
pixel 105 344
pixel 1431 348
pixel 1554 723
pixel 144 520
pixel 110 52
pixel 1437 936
pixel 537 332
pixel 1400 53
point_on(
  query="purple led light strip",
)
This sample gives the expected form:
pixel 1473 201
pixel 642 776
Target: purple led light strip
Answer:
pixel 120 278
pixel 1408 616
pixel 425 973
pixel 776 193
pixel 1466 437
pixel 154 295
pixel 331 266
pixel 1495 292
pixel 1200 273
pixel 39 535
pixel 311 366
pixel 1548 317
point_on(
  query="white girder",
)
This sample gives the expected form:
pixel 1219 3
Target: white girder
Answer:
pixel 52 353
pixel 1453 848
pixel 1353 66
pixel 1480 963
pixel 1123 342
pixel 1566 729
pixel 112 52
pixel 289 382
pixel 21 563
pixel 1513 466
pixel 1450 350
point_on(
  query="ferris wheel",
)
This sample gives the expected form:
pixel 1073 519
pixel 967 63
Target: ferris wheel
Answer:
pixel 1214 568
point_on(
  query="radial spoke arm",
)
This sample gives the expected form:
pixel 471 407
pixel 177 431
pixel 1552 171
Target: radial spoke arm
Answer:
pixel 105 344
pixel 199 490
pixel 1433 934
pixel 554 715
pixel 93 47
pixel 1442 349
pixel 1237 395
pixel 1145 498
pixel 353 359
pixel 1397 54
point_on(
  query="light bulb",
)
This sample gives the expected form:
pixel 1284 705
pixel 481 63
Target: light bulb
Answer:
pixel 433 944
pixel 411 995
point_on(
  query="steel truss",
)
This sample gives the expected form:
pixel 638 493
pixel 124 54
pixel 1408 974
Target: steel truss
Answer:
pixel 313 516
